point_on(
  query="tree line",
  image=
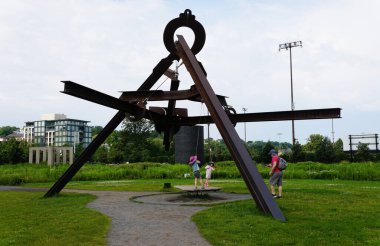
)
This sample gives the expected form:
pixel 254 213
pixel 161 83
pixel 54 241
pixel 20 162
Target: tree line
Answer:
pixel 139 142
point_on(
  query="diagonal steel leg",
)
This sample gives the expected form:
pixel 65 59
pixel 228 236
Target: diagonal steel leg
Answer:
pixel 247 168
pixel 158 71
pixel 86 154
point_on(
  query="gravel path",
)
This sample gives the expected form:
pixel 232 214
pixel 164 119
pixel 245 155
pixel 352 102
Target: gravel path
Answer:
pixel 152 220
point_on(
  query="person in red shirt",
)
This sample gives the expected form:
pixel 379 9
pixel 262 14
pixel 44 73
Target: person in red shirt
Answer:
pixel 275 175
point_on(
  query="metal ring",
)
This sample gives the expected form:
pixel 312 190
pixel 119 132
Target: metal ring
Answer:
pixel 185 19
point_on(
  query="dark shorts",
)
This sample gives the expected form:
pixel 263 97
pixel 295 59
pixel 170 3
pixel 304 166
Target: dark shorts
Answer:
pixel 197 174
pixel 276 179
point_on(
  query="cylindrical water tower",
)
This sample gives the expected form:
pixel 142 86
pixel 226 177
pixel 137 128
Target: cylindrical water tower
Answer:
pixel 189 141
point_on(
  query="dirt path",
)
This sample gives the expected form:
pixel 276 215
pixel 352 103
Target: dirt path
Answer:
pixel 150 221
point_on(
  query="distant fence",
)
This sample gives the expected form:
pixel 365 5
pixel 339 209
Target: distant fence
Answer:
pixel 370 139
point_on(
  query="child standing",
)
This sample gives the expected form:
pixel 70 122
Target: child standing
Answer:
pixel 197 174
pixel 209 168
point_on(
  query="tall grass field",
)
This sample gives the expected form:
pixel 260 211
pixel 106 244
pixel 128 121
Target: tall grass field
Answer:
pixel 39 173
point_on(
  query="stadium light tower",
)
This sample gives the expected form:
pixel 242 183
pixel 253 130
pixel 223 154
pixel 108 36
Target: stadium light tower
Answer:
pixel 245 132
pixel 290 46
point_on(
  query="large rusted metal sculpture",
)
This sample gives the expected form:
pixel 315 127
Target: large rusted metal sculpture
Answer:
pixel 132 104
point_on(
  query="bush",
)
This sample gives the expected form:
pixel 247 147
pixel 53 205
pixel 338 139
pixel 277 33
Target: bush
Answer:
pixel 363 153
pixel 13 151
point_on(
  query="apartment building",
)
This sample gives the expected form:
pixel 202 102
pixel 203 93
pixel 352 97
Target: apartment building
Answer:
pixel 57 130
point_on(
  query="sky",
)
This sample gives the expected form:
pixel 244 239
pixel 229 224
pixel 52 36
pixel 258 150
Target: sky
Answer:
pixel 112 46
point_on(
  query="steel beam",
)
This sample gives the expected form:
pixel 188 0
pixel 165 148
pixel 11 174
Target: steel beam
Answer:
pixel 160 95
pixel 86 154
pixel 168 134
pixel 171 74
pixel 192 94
pixel 247 168
pixel 74 89
pixel 80 91
pixel 161 67
pixel 311 114
pixel 158 71
pixel 77 90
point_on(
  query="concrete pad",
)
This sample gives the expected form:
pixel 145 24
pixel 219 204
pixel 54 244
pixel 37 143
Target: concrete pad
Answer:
pixel 191 188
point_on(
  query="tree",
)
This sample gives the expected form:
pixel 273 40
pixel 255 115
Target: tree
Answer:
pixel 78 150
pixel 134 139
pixel 157 151
pixel 264 154
pixel 319 148
pixel 338 150
pixel 363 153
pixel 254 150
pixel 325 151
pixel 96 130
pixel 116 147
pixel 297 153
pixel 101 154
pixel 6 130
pixel 219 150
pixel 313 142
pixel 13 151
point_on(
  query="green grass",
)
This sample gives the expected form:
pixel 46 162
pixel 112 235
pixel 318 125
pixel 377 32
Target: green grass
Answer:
pixel 26 219
pixel 33 173
pixel 322 203
pixel 319 212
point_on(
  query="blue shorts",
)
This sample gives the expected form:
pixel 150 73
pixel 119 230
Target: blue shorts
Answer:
pixel 197 174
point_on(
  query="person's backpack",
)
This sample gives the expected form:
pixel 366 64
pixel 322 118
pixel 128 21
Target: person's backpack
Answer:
pixel 282 165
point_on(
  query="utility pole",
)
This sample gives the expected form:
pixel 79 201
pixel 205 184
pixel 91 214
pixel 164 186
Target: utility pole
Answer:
pixel 290 46
pixel 245 132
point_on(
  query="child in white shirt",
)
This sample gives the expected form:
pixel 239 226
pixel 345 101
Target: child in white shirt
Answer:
pixel 209 168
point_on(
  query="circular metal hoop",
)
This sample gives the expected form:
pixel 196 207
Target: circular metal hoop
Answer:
pixel 185 19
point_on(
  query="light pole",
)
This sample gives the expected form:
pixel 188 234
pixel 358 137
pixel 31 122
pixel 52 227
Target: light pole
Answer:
pixel 76 139
pixel 245 132
pixel 208 140
pixel 332 130
pixel 279 139
pixel 279 136
pixel 290 46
